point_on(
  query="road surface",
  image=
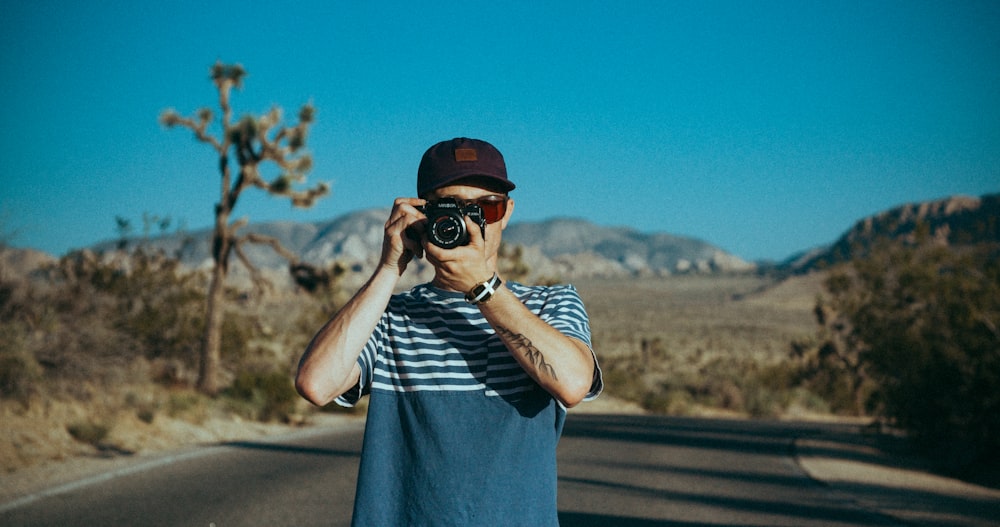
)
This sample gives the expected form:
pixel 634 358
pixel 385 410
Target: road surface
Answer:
pixel 631 471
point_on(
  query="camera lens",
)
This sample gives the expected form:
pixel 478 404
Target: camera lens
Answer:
pixel 447 230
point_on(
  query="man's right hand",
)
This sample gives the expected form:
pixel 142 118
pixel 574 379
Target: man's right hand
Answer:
pixel 399 246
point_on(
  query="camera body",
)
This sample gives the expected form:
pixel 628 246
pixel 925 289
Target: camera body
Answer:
pixel 446 222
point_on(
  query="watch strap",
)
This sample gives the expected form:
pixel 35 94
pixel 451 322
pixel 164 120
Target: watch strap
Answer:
pixel 483 292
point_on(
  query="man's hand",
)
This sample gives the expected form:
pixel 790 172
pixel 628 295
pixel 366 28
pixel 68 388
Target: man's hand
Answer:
pixel 462 267
pixel 398 246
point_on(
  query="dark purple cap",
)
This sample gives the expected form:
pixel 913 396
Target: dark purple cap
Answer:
pixel 449 161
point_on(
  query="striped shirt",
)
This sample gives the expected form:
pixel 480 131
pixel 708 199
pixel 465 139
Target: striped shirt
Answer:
pixel 457 432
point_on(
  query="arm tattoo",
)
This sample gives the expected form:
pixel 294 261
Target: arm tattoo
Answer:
pixel 521 344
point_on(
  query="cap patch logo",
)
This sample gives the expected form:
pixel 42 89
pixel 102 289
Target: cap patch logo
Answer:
pixel 465 154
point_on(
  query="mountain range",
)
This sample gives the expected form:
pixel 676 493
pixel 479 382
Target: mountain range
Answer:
pixel 561 247
pixel 567 248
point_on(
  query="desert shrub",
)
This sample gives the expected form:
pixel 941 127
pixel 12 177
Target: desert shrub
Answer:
pixel 156 302
pixel 263 396
pixel 771 390
pixel 240 330
pixel 97 314
pixel 673 384
pixel 668 400
pixel 146 414
pixel 921 322
pixel 760 400
pixel 89 316
pixel 88 432
pixel 145 405
pixel 86 320
pixel 188 405
pixel 829 366
pixel 616 380
pixel 19 371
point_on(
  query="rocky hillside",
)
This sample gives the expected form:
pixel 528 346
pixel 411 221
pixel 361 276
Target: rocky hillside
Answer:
pixel 620 250
pixel 955 221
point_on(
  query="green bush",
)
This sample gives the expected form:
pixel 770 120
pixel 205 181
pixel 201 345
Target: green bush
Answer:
pixel 921 322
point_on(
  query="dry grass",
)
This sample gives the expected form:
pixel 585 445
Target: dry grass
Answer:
pixel 694 315
pixel 686 344
pixel 704 336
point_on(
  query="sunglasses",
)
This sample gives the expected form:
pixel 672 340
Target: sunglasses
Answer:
pixel 494 206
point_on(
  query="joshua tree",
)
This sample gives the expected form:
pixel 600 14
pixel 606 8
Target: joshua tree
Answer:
pixel 252 140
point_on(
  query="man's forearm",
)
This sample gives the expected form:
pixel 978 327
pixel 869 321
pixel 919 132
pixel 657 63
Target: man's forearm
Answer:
pixel 562 365
pixel 328 367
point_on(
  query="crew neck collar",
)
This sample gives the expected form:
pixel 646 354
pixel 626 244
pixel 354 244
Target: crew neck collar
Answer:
pixel 442 293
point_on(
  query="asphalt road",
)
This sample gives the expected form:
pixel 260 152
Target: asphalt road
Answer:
pixel 631 471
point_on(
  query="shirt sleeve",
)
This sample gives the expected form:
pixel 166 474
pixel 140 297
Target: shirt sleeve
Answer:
pixel 366 360
pixel 564 311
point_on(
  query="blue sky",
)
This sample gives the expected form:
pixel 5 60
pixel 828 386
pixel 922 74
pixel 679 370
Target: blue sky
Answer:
pixel 765 128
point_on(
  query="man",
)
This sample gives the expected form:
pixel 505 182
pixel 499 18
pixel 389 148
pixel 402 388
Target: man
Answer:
pixel 469 377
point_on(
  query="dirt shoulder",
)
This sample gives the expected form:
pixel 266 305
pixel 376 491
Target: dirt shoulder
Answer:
pixel 53 474
pixel 878 473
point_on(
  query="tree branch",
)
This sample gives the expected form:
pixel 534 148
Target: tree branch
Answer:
pixel 171 118
pixel 273 242
pixel 255 275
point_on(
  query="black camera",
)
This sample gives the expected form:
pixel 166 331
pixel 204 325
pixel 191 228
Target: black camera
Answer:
pixel 446 222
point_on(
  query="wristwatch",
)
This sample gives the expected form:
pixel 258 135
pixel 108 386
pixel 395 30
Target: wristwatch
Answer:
pixel 483 292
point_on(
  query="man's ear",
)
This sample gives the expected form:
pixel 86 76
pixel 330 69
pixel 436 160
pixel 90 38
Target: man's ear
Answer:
pixel 506 217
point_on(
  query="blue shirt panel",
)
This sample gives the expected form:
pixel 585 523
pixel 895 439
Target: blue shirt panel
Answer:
pixel 457 432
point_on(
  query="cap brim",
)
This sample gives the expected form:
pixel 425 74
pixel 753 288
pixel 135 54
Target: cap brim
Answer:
pixel 502 184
